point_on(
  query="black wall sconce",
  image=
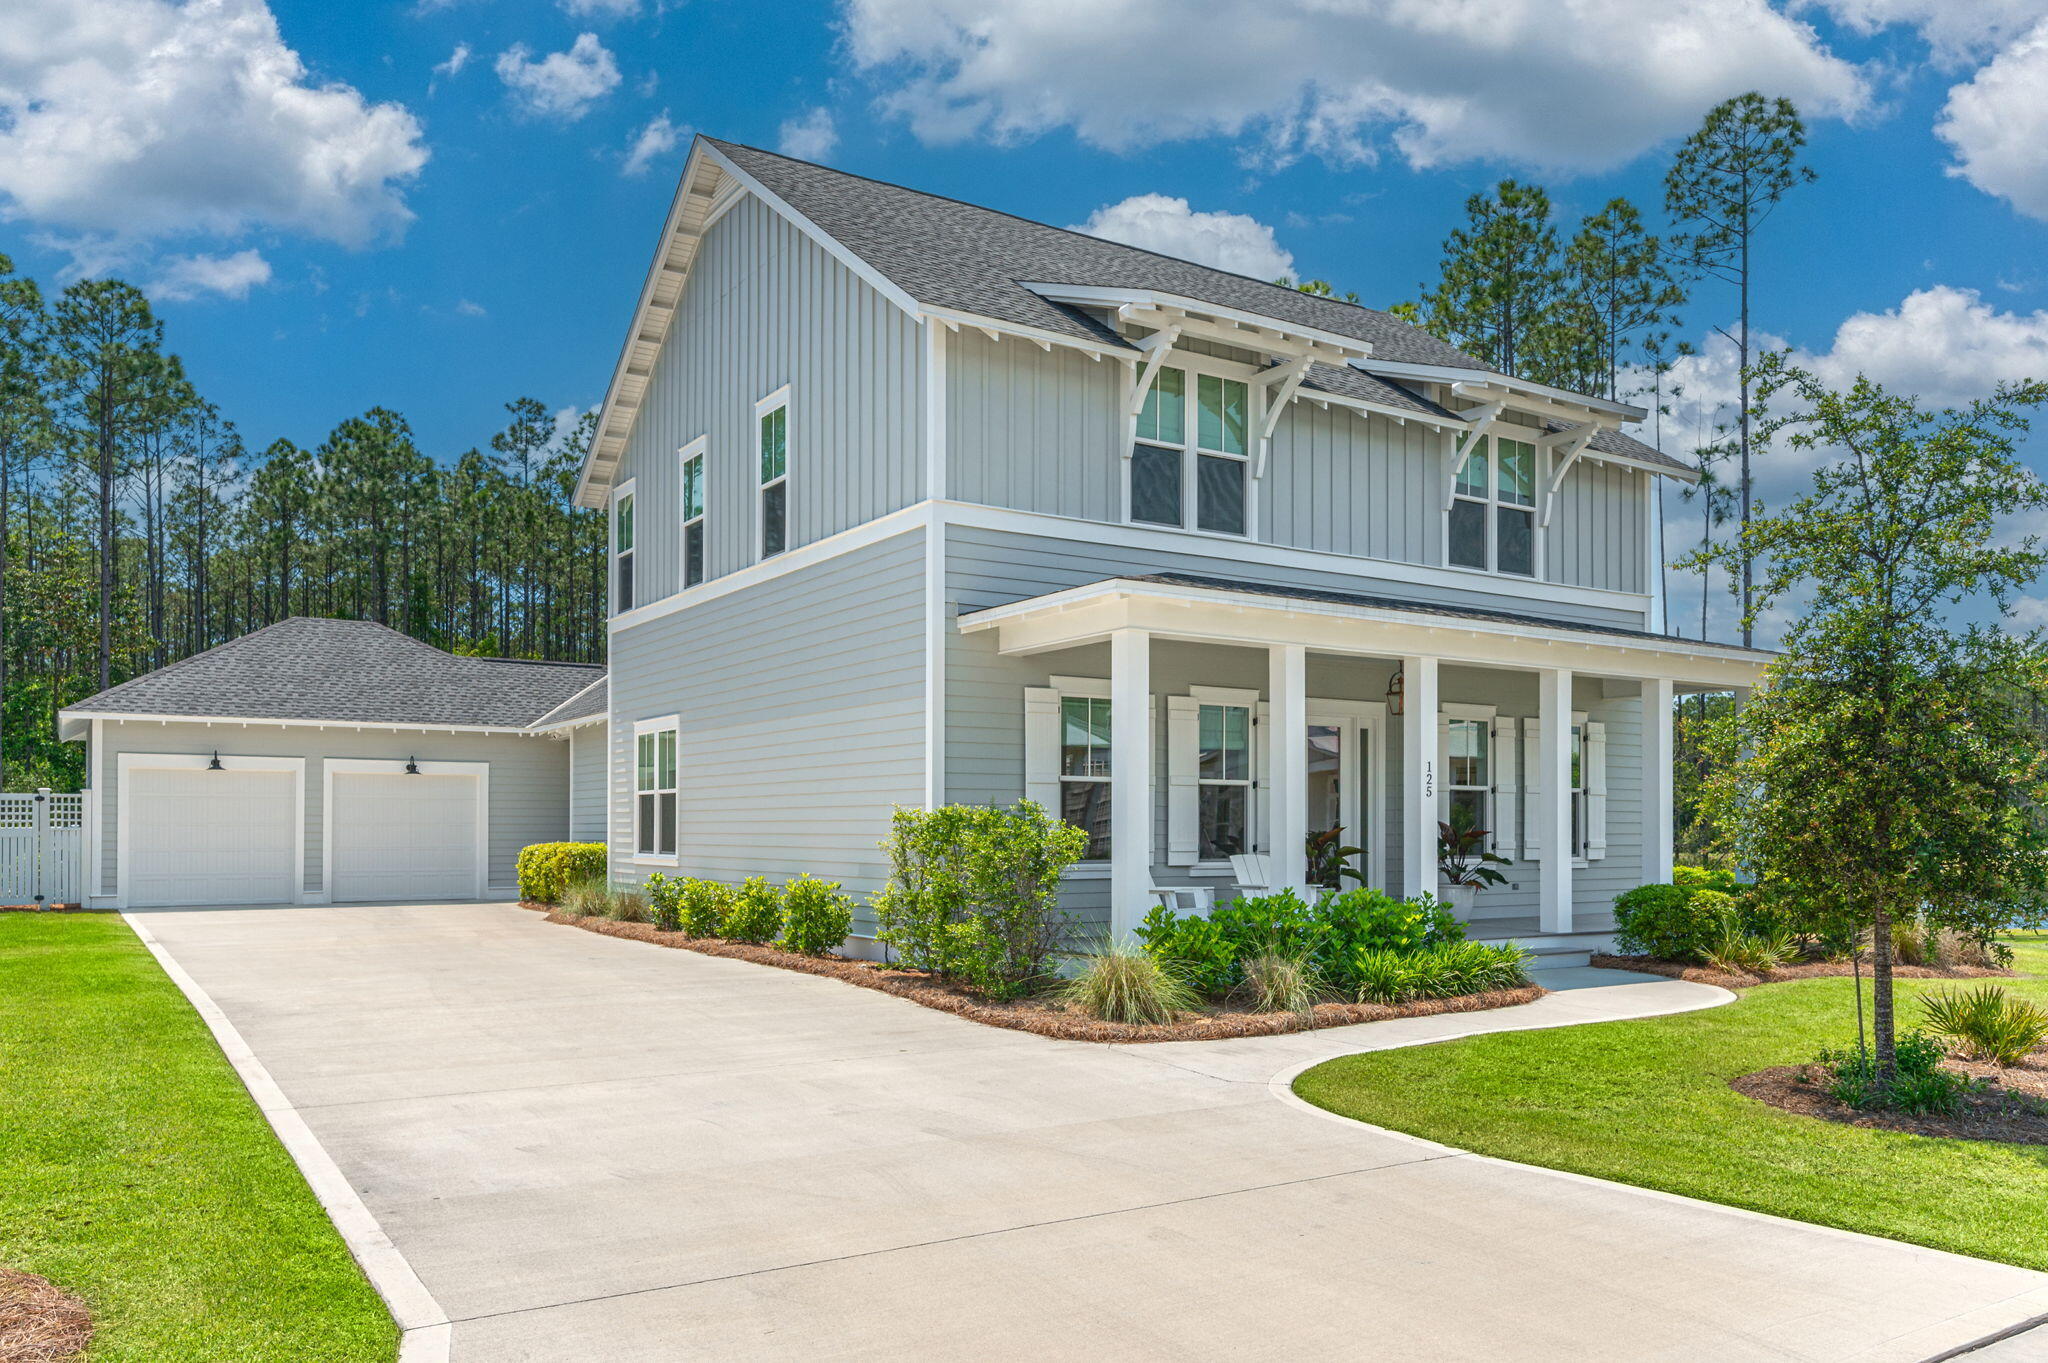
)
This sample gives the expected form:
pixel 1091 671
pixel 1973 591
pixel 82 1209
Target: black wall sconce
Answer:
pixel 215 765
pixel 412 768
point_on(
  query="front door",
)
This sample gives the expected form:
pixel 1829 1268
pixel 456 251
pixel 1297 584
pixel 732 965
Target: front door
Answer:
pixel 1343 780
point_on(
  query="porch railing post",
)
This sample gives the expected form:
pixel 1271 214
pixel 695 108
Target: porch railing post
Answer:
pixel 1420 777
pixel 1131 797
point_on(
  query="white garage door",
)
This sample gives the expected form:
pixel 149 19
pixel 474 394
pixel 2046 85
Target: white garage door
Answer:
pixel 405 837
pixel 210 837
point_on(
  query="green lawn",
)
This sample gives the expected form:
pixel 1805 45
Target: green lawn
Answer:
pixel 136 1171
pixel 1648 1103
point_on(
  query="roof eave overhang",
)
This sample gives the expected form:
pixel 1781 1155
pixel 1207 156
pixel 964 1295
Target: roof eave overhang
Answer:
pixel 1089 614
pixel 67 719
pixel 1476 379
pixel 1230 326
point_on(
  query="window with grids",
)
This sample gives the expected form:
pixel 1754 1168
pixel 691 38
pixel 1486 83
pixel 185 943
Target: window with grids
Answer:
pixel 622 552
pixel 1084 769
pixel 1579 791
pixel 774 480
pixel 1469 781
pixel 693 520
pixel 654 789
pixel 1223 779
pixel 1190 464
pixel 1493 517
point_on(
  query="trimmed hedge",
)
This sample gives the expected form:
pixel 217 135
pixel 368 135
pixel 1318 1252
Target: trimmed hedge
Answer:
pixel 548 868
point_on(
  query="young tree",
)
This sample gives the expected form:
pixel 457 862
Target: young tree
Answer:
pixel 1501 280
pixel 24 422
pixel 1723 184
pixel 1618 273
pixel 1887 768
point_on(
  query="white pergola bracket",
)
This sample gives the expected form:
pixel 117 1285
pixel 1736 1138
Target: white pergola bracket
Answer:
pixel 1483 420
pixel 1580 437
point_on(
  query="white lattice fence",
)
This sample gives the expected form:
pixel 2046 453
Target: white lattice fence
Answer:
pixel 42 849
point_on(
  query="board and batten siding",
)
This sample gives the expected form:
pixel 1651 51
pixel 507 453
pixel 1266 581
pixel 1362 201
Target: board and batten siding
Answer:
pixel 586 783
pixel 529 785
pixel 1033 430
pixel 767 306
pixel 801 708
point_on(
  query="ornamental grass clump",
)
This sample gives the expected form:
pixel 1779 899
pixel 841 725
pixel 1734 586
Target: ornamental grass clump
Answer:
pixel 1273 983
pixel 1124 983
pixel 1443 971
pixel 1986 1024
pixel 626 906
pixel 586 897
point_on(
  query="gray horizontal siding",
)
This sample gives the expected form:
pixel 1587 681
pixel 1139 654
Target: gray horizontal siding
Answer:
pixel 529 783
pixel 802 719
pixel 587 801
pixel 767 306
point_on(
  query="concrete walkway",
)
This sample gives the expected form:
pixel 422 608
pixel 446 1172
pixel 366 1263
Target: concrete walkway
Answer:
pixel 591 1148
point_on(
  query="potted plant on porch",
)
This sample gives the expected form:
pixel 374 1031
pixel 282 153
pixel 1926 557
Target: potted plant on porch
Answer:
pixel 1463 862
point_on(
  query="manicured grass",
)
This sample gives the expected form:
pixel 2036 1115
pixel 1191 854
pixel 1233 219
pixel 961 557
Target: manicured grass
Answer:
pixel 136 1171
pixel 1648 1103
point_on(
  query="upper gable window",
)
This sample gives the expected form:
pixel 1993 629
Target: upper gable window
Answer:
pixel 1492 523
pixel 772 417
pixel 1197 483
pixel 693 513
pixel 622 548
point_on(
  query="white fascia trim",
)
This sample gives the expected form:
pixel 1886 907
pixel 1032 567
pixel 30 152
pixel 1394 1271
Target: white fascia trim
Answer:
pixel 1097 294
pixel 1132 536
pixel 259 722
pixel 910 518
pixel 952 319
pixel 1323 397
pixel 564 725
pixel 331 767
pixel 1435 373
pixel 539 728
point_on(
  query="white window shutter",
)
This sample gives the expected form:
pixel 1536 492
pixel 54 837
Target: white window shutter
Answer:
pixel 1532 796
pixel 1507 823
pixel 1595 776
pixel 1262 765
pixel 1183 796
pixel 1042 747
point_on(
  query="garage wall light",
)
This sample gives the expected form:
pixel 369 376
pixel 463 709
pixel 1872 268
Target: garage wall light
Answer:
pixel 214 765
pixel 412 768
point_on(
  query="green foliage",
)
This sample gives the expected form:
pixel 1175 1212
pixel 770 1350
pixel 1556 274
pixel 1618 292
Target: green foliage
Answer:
pixel 973 893
pixel 1445 970
pixel 626 906
pixel 1986 1023
pixel 1330 861
pixel 1462 856
pixel 755 913
pixel 1365 919
pixel 1273 983
pixel 1198 947
pixel 1706 878
pixel 701 907
pixel 546 868
pixel 815 916
pixel 1755 953
pixel 1211 951
pixel 586 896
pixel 1919 1086
pixel 662 896
pixel 1124 984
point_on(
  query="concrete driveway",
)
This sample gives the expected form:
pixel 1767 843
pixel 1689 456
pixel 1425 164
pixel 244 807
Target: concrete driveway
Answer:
pixel 596 1149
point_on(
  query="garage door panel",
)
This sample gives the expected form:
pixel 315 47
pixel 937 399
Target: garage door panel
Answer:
pixel 405 837
pixel 211 837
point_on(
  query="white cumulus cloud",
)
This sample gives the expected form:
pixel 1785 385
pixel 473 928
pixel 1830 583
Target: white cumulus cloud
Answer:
pixel 810 136
pixel 137 119
pixel 650 144
pixel 1567 84
pixel 561 84
pixel 1997 124
pixel 600 9
pixel 1957 31
pixel 457 59
pixel 231 276
pixel 1227 241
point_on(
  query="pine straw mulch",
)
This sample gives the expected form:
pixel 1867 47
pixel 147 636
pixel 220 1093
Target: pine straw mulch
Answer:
pixel 1042 1018
pixel 2012 1105
pixel 1804 970
pixel 39 1321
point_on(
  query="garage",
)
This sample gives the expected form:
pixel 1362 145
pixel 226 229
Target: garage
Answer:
pixel 407 831
pixel 197 834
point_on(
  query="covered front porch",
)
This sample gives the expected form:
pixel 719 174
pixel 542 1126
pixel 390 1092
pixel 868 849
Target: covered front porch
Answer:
pixel 1272 713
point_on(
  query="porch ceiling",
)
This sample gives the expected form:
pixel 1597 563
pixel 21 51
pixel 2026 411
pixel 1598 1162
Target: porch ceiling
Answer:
pixel 1250 615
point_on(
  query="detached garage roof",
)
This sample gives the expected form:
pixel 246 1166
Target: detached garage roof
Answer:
pixel 304 670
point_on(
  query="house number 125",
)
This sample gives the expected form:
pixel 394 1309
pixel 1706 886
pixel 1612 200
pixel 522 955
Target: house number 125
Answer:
pixel 1429 780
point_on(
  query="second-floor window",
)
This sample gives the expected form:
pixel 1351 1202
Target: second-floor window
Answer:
pixel 1189 465
pixel 693 514
pixel 622 549
pixel 1493 519
pixel 772 415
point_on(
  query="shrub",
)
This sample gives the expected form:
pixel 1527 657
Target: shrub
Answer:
pixel 755 913
pixel 1122 983
pixel 1272 983
pixel 1443 971
pixel 1922 1086
pixel 1705 878
pixel 1986 1024
pixel 1691 919
pixel 662 897
pixel 701 907
pixel 815 916
pixel 1211 952
pixel 547 868
pixel 1196 947
pixel 1364 919
pixel 973 893
pixel 626 906
pixel 586 896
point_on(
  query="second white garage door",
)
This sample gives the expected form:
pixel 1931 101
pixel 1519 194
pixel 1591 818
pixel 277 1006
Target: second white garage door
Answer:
pixel 405 837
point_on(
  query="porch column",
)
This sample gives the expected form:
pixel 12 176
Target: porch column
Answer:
pixel 1419 777
pixel 1287 691
pixel 1130 784
pixel 1657 780
pixel 1553 812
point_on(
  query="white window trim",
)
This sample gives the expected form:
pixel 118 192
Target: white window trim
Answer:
pixel 620 494
pixel 1193 365
pixel 694 450
pixel 658 725
pixel 1538 473
pixel 766 405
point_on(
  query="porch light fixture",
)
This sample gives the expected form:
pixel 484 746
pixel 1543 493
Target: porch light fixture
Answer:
pixel 214 765
pixel 412 768
pixel 1396 689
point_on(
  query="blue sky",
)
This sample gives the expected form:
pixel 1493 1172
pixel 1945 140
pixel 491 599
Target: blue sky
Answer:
pixel 441 210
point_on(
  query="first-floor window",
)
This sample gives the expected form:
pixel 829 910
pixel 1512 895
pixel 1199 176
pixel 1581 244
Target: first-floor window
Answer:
pixel 1578 791
pixel 1469 771
pixel 693 519
pixel 1223 776
pixel 1084 769
pixel 654 787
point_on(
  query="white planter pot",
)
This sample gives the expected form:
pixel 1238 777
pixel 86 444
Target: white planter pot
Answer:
pixel 1459 899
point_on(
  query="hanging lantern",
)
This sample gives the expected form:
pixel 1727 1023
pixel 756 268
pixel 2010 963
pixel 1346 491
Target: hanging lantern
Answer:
pixel 1396 689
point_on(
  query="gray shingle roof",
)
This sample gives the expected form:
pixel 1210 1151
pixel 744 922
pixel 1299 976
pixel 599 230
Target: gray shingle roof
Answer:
pixel 589 703
pixel 1352 383
pixel 350 672
pixel 1628 447
pixel 958 255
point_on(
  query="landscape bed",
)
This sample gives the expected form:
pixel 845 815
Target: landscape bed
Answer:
pixel 1803 970
pixel 1043 1019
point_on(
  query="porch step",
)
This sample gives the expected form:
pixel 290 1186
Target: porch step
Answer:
pixel 1556 958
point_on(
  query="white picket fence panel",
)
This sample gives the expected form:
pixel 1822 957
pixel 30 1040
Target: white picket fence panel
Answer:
pixel 42 849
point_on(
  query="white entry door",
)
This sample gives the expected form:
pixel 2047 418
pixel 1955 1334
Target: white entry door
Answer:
pixel 405 837
pixel 197 836
pixel 1344 777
